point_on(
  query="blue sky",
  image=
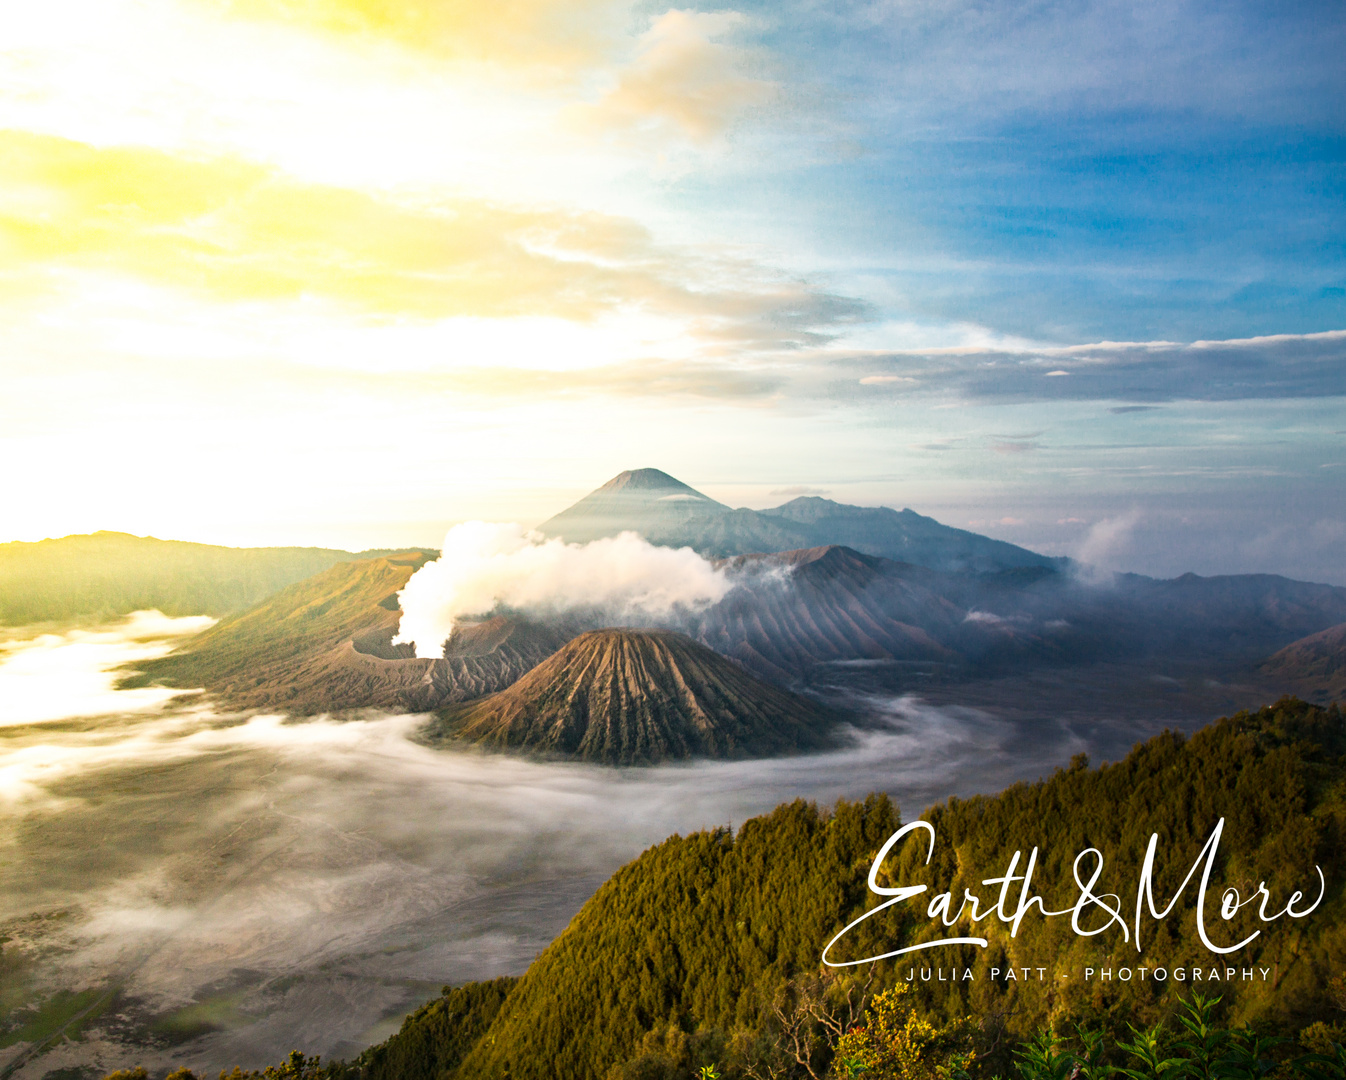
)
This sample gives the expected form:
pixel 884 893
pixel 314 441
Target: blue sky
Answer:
pixel 345 271
pixel 1068 172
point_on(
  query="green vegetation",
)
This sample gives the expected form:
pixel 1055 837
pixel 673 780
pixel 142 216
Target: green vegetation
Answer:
pixel 220 1011
pixel 890 1041
pixel 1277 777
pixel 437 1036
pixel 107 573
pixel 62 1014
pixel 702 957
pixel 701 931
pixel 279 653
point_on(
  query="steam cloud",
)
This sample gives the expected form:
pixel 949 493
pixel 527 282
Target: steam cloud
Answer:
pixel 1101 551
pixel 624 579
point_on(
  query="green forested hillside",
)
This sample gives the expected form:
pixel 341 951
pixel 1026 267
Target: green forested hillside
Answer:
pixel 701 931
pixel 1278 779
pixel 437 1036
pixel 705 951
pixel 109 573
pixel 717 938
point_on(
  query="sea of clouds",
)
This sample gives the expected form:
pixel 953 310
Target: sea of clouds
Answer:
pixel 322 877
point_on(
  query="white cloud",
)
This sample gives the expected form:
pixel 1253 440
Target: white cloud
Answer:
pixel 686 76
pixel 60 675
pixel 619 579
pixel 1104 548
pixel 1279 366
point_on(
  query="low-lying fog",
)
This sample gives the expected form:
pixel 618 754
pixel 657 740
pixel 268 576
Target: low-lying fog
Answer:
pixel 223 889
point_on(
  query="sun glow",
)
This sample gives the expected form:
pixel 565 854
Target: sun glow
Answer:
pixel 246 227
pixel 272 268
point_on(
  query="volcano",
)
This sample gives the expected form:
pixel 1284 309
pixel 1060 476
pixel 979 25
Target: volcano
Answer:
pixel 326 643
pixel 667 512
pixel 635 697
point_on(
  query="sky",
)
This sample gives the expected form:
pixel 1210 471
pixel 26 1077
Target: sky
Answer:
pixel 345 272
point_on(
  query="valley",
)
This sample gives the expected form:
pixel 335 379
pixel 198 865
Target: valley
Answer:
pixel 290 826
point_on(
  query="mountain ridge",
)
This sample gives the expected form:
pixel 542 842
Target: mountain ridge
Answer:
pixel 110 573
pixel 1315 664
pixel 670 513
pixel 792 618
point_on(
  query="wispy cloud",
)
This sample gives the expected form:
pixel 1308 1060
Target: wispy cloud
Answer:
pixel 1106 546
pixel 1274 366
pixel 56 676
pixel 685 74
pixel 240 231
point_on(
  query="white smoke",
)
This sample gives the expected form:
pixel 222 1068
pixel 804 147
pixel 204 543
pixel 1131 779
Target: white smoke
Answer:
pixel 1106 547
pixel 622 578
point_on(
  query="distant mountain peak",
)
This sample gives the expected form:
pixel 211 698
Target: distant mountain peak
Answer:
pixel 653 480
pixel 647 501
pixel 667 512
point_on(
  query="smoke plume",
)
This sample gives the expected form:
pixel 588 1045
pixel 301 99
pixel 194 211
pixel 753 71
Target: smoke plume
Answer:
pixel 624 579
pixel 1105 547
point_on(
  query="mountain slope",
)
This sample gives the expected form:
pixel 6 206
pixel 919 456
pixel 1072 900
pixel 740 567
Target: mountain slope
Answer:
pixel 1315 665
pixel 1236 618
pixel 1239 614
pixel 110 573
pixel 903 535
pixel 666 511
pixel 714 932
pixel 794 610
pixel 637 697
pixel 325 644
pixel 277 653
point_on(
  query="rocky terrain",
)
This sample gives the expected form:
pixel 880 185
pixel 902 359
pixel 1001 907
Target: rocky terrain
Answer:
pixel 628 697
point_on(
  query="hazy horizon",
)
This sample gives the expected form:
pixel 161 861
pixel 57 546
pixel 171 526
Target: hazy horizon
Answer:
pixel 331 272
pixel 1159 537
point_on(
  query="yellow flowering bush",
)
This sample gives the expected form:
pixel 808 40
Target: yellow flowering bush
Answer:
pixel 894 1043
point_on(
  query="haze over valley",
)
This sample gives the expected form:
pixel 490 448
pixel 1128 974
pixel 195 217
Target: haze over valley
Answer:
pixel 189 885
